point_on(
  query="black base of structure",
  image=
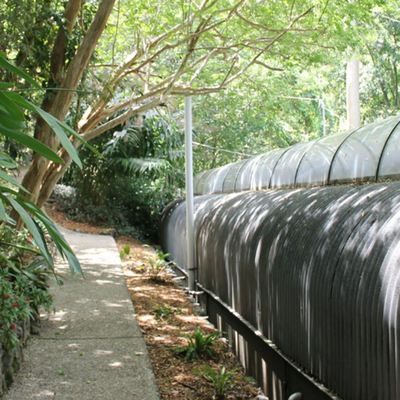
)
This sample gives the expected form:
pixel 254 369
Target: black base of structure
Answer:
pixel 278 377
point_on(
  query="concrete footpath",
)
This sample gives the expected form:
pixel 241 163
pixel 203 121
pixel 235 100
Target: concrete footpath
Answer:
pixel 91 348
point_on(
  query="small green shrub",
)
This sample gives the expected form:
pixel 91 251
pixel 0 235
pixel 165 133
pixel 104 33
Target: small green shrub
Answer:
pixel 220 379
pixel 199 346
pixel 23 286
pixel 125 252
pixel 159 265
pixel 162 313
pixel 127 249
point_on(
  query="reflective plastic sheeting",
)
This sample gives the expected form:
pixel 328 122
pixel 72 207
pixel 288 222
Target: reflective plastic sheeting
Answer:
pixel 316 271
pixel 358 157
pixel 285 170
pixel 315 165
pixel 367 154
pixel 261 175
pixel 389 163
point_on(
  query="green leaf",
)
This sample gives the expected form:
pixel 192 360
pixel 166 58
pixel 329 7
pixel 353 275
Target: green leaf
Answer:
pixel 58 128
pixel 11 107
pixel 31 143
pixel 11 180
pixel 76 135
pixel 24 248
pixel 62 246
pixel 54 123
pixel 7 162
pixel 32 228
pixel 9 122
pixel 3 214
pixel 6 85
pixel 8 66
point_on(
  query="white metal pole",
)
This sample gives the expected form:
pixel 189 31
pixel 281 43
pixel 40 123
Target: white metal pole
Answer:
pixel 353 94
pixel 189 193
pixel 323 117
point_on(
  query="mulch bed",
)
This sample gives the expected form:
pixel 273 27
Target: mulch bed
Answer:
pixel 176 378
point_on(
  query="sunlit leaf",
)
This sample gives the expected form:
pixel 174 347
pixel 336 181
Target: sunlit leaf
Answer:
pixel 8 66
pixel 31 143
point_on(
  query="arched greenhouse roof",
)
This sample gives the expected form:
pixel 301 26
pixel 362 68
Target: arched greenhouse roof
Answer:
pixel 368 154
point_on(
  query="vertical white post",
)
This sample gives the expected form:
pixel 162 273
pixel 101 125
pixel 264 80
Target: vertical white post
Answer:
pixel 189 193
pixel 353 96
pixel 321 103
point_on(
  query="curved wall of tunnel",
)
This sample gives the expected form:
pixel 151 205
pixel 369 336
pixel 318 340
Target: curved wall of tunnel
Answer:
pixel 367 154
pixel 315 271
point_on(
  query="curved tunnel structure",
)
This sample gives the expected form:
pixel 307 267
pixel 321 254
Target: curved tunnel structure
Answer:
pixel 367 154
pixel 312 271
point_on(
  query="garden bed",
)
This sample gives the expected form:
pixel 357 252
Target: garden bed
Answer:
pixel 12 359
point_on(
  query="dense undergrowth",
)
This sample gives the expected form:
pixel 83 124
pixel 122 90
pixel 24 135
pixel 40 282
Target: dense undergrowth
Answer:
pixel 23 288
pixel 126 190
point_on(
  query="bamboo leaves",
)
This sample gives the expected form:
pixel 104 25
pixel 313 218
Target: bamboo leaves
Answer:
pixel 12 124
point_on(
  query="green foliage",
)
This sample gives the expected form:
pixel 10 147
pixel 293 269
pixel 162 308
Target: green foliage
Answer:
pixel 125 252
pixel 221 379
pixel 158 266
pixel 11 124
pixel 20 297
pixel 139 175
pixel 127 249
pixel 199 345
pixel 162 313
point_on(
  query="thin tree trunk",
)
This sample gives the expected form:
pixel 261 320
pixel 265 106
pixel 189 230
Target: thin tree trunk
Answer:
pixel 59 106
pixel 34 175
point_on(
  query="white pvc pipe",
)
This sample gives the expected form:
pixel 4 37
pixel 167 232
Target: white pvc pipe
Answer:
pixel 189 193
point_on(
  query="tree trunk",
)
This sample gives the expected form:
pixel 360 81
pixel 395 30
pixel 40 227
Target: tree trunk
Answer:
pixel 34 175
pixel 59 104
pixel 53 174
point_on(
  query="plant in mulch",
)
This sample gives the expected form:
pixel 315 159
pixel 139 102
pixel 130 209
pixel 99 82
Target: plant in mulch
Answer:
pixel 220 379
pixel 162 313
pixel 125 252
pixel 157 268
pixel 200 345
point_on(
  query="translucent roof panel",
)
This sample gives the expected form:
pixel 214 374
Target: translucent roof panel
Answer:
pixel 314 167
pixel 202 181
pixel 244 175
pixel 390 162
pixel 215 180
pixel 262 171
pixel 196 182
pixel 231 176
pixel 361 155
pixel 358 157
pixel 285 170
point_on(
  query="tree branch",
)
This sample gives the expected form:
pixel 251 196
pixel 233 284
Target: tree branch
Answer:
pixel 266 28
pixel 128 114
pixel 268 66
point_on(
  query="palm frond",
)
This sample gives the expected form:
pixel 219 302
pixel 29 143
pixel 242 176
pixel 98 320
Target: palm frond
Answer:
pixel 133 165
pixel 127 137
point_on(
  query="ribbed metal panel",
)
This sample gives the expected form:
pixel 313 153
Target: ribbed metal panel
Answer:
pixel 317 271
